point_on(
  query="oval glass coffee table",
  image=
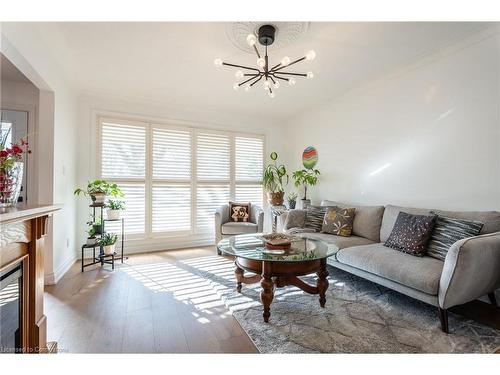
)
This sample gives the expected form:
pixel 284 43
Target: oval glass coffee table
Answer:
pixel 278 268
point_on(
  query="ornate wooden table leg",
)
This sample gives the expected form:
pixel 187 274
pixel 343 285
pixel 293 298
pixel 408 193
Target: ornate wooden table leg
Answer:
pixel 322 283
pixel 267 293
pixel 238 272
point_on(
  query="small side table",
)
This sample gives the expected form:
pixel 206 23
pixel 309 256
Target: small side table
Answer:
pixel 275 212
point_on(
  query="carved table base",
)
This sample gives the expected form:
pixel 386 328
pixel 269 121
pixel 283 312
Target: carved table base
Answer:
pixel 280 274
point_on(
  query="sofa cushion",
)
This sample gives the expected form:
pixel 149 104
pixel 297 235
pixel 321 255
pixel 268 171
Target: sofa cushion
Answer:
pixel 391 214
pixel 490 219
pixel 422 274
pixel 339 241
pixel 367 219
pixel 295 219
pixel 338 221
pixel 411 233
pixel 232 227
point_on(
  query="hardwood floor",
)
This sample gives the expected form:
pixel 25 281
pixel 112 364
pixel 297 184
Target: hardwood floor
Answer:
pixel 148 305
pixel 157 303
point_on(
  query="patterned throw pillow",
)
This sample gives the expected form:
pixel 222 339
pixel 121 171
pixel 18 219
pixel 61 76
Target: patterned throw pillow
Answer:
pixel 447 231
pixel 239 211
pixel 411 233
pixel 338 221
pixel 314 217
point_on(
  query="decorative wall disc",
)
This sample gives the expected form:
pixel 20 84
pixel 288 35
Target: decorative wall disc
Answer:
pixel 309 157
pixel 286 33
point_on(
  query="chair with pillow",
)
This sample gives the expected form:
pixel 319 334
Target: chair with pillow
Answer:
pixel 237 218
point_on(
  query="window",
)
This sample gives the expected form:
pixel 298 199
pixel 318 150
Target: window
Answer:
pixel 175 177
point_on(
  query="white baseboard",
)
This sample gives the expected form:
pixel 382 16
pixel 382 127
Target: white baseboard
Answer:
pixel 54 277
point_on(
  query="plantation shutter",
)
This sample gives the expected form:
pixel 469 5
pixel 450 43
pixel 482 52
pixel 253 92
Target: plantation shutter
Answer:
pixel 171 190
pixel 123 160
pixel 249 158
pixel 213 177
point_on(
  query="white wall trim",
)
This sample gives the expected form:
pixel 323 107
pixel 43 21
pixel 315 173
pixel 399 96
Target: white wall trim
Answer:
pixel 54 277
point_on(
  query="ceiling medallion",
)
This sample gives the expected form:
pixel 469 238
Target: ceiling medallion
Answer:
pixel 270 76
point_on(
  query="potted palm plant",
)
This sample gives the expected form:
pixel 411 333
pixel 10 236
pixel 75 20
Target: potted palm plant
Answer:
pixel 306 177
pixel 114 207
pixel 108 241
pixel 275 177
pixel 99 189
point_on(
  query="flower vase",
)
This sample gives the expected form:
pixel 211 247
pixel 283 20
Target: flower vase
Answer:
pixel 11 179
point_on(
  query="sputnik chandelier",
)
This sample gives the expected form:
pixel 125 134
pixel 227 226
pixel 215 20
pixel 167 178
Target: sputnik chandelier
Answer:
pixel 270 77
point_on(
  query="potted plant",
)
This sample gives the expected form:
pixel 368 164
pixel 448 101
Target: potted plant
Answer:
pixel 99 190
pixel 11 169
pixel 292 200
pixel 97 225
pixel 91 238
pixel 275 177
pixel 108 241
pixel 306 177
pixel 114 207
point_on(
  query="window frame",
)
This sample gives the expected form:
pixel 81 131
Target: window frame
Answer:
pixel 149 181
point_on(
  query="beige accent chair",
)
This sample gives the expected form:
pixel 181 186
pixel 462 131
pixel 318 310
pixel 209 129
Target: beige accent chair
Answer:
pixel 225 227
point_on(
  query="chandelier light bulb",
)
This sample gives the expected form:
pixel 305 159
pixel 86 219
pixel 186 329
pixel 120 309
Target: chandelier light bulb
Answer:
pixel 276 85
pixel 285 61
pixel 218 63
pixel 247 88
pixel 310 55
pixel 261 62
pixel 238 74
pixel 271 95
pixel 292 81
pixel 266 85
pixel 236 87
pixel 310 75
pixel 251 40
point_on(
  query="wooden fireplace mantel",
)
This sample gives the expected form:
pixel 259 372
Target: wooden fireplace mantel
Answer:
pixel 22 232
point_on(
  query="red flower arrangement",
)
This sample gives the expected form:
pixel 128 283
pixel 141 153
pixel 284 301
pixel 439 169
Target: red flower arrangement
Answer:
pixel 10 155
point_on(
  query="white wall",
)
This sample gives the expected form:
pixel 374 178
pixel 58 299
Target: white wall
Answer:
pixel 24 46
pixel 92 105
pixel 426 136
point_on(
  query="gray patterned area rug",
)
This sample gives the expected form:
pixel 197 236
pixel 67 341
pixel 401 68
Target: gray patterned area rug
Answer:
pixel 359 317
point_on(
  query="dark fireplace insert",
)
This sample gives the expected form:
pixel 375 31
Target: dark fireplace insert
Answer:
pixel 11 310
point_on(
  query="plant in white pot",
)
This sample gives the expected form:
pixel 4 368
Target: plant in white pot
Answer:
pixel 108 241
pixel 114 208
pixel 98 190
pixel 91 238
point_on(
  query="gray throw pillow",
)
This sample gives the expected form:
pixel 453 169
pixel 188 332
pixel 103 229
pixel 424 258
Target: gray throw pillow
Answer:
pixel 411 233
pixel 314 217
pixel 447 231
pixel 295 219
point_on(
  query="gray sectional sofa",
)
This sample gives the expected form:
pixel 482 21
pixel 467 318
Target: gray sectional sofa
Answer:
pixel 471 268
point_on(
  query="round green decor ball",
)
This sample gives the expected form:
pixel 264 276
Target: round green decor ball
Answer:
pixel 310 157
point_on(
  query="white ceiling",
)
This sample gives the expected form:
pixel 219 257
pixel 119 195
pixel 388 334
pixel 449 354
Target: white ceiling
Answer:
pixel 172 62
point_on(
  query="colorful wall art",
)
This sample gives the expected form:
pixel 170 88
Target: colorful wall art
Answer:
pixel 310 157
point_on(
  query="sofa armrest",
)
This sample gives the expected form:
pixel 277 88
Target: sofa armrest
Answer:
pixel 471 270
pixel 294 219
pixel 221 217
pixel 257 217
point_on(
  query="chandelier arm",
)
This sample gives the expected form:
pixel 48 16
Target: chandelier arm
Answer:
pixel 256 51
pixel 274 67
pixel 251 74
pixel 292 74
pixel 248 80
pixel 283 78
pixel 241 66
pixel 272 79
pixel 293 62
pixel 253 83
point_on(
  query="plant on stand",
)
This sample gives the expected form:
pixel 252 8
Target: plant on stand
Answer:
pixel 275 177
pixel 91 238
pixel 11 169
pixel 108 241
pixel 305 177
pixel 114 207
pixel 292 200
pixel 99 189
